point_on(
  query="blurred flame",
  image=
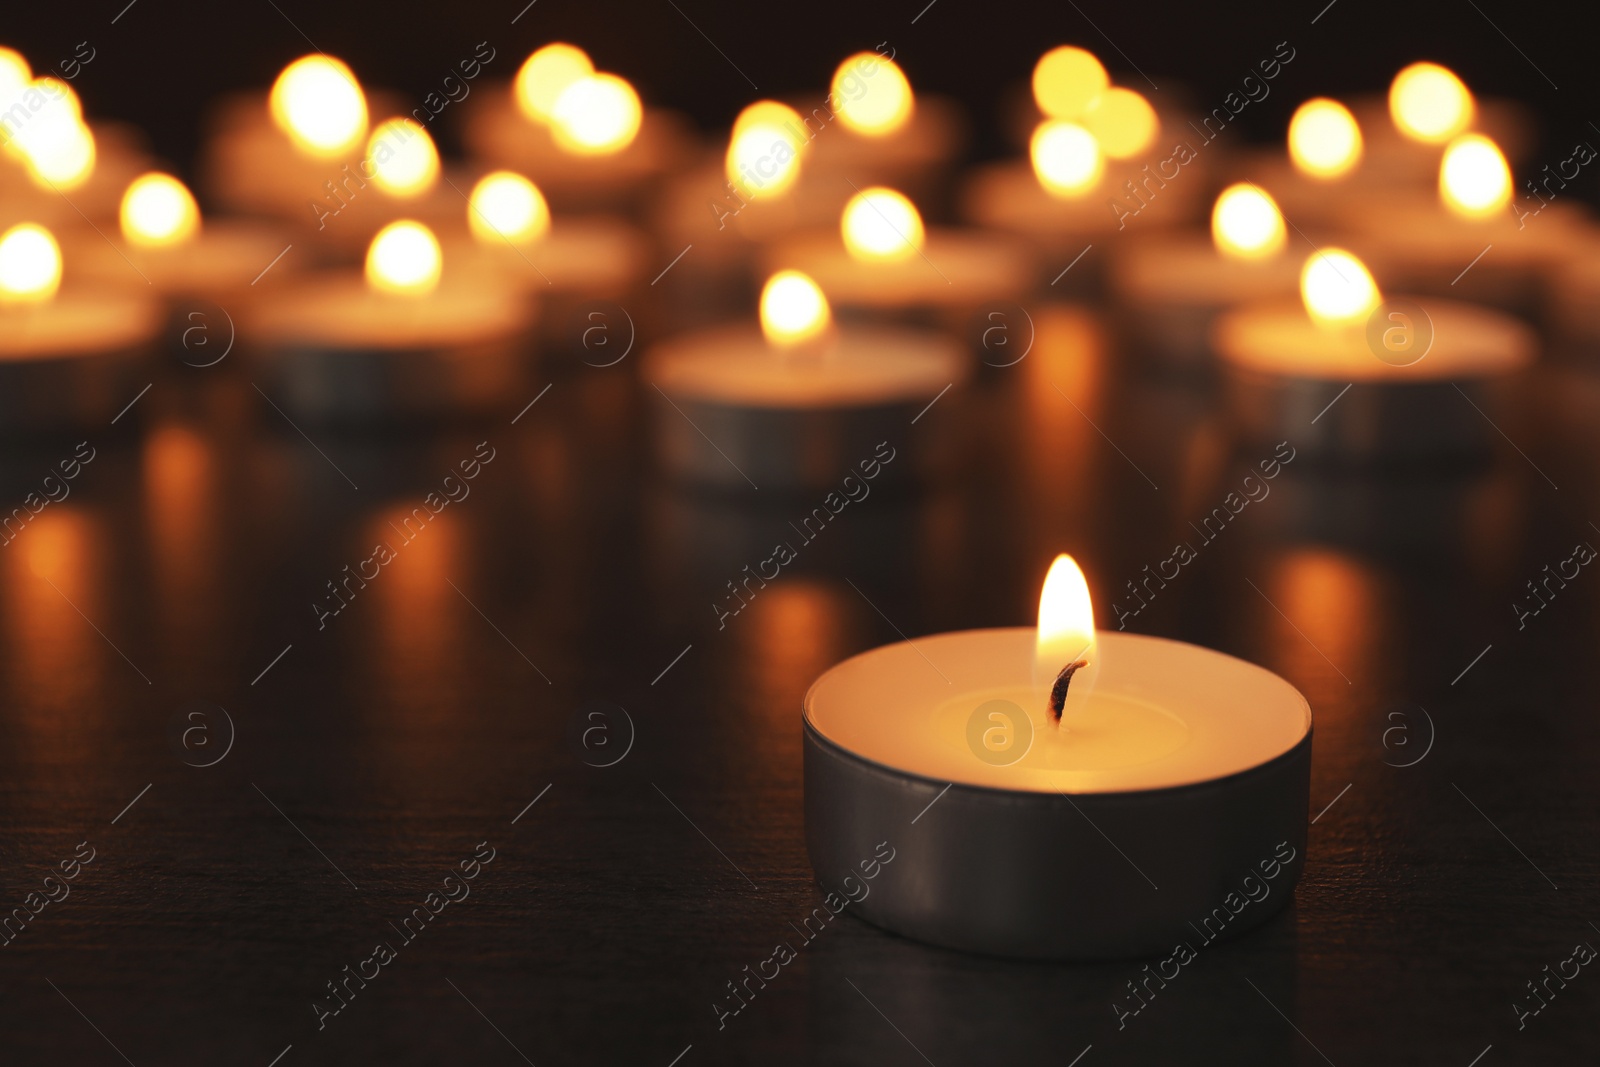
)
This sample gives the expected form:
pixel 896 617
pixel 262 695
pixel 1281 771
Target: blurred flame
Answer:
pixel 30 264
pixel 793 310
pixel 405 163
pixel 158 210
pixel 1474 180
pixel 881 225
pixel 1337 288
pixel 1066 80
pixel 763 158
pixel 318 103
pixel 545 75
pixel 884 102
pixel 1066 158
pixel 507 207
pixel 1246 223
pixel 1324 140
pixel 597 115
pixel 1430 104
pixel 404 258
pixel 1123 122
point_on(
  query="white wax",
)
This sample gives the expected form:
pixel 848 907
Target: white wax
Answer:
pixel 221 260
pixel 1163 713
pixel 499 134
pixel 342 312
pixel 929 139
pixel 865 366
pixel 591 255
pixel 955 268
pixel 1008 196
pixel 81 322
pixel 1281 339
pixel 1187 270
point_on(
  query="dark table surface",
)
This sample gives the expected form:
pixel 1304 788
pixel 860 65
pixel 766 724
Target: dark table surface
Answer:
pixel 267 792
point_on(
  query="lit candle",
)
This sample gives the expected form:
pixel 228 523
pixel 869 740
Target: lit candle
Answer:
pixel 66 357
pixel 581 134
pixel 1425 240
pixel 873 128
pixel 1323 168
pixel 993 761
pixel 797 403
pixel 1173 285
pixel 403 339
pixel 166 245
pixel 300 146
pixel 1347 374
pixel 882 257
pixel 512 237
pixel 1428 106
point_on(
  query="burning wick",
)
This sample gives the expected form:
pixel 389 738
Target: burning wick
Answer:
pixel 1058 692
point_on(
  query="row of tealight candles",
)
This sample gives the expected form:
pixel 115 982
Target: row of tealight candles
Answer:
pixel 574 182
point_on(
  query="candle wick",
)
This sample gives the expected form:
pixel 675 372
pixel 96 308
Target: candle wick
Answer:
pixel 1058 692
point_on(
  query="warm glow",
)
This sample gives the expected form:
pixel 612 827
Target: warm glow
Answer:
pixel 1067 80
pixel 30 264
pixel 1066 158
pixel 881 225
pixel 1429 103
pixel 507 207
pixel 1324 140
pixel 546 75
pixel 404 258
pixel 871 95
pixel 1247 224
pixel 763 158
pixel 15 74
pixel 793 310
pixel 1337 288
pixel 57 147
pixel 1123 122
pixel 319 104
pixel 158 210
pixel 1066 632
pixel 403 159
pixel 1474 180
pixel 597 115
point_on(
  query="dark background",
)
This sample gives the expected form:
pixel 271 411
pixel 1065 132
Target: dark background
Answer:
pixel 164 60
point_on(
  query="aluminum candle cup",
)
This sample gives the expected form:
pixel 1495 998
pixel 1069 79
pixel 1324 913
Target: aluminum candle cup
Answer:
pixel 1172 809
pixel 335 350
pixel 1415 381
pixel 72 360
pixel 733 411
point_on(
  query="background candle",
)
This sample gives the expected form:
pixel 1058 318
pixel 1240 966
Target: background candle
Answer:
pixel 398 342
pixel 1353 377
pixel 877 128
pixel 799 403
pixel 67 357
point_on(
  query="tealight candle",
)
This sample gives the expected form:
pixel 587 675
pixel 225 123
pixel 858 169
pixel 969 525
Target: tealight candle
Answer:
pixel 1467 240
pixel 799 403
pixel 877 129
pixel 1173 285
pixel 395 342
pixel 165 244
pixel 583 135
pixel 1354 377
pixel 514 237
pixel 66 357
pixel 999 763
pixel 285 153
pixel 883 258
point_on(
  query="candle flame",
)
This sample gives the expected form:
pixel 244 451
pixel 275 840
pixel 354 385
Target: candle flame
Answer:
pixel 547 74
pixel 15 74
pixel 1123 122
pixel 158 210
pixel 597 116
pixel 53 141
pixel 318 103
pixel 1066 159
pixel 1430 104
pixel 1337 288
pixel 30 264
pixel 763 158
pixel 1474 180
pixel 404 259
pixel 1246 223
pixel 794 310
pixel 881 225
pixel 1066 80
pixel 872 95
pixel 1324 140
pixel 507 207
pixel 1066 634
pixel 404 161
